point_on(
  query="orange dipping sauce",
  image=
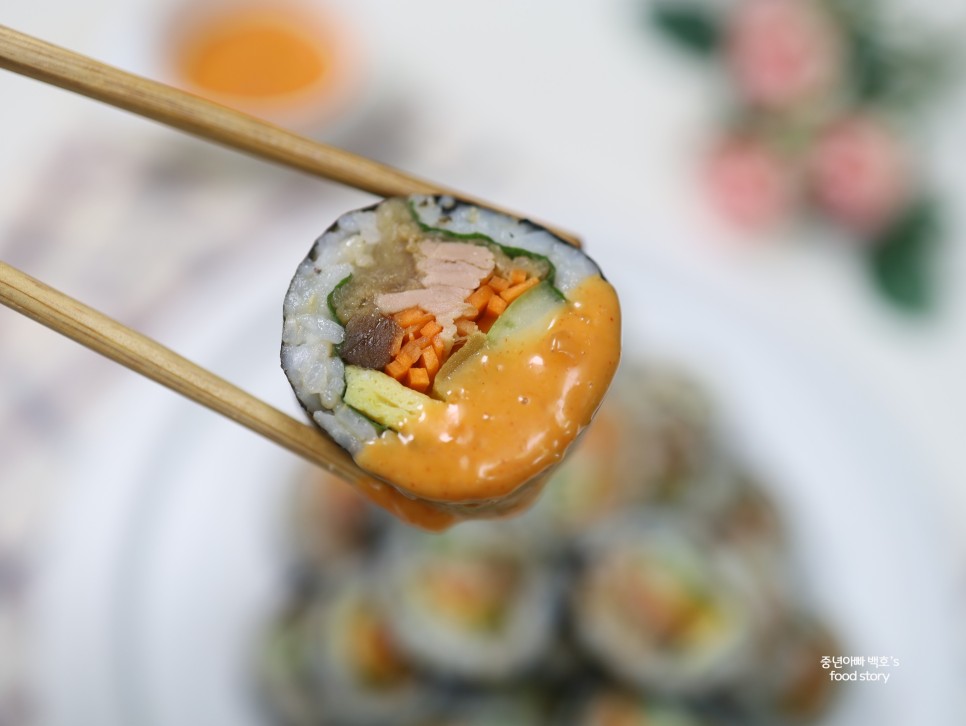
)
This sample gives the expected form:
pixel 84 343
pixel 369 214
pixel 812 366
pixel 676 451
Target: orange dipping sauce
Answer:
pixel 281 61
pixel 254 52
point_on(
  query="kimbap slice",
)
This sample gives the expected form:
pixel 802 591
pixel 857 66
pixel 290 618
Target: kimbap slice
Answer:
pixel 650 436
pixel 330 526
pixel 791 684
pixel 360 675
pixel 455 352
pixel 505 708
pixel 673 422
pixel 471 604
pixel 284 681
pixel 660 611
pixel 613 707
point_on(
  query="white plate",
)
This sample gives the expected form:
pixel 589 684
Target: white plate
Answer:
pixel 168 553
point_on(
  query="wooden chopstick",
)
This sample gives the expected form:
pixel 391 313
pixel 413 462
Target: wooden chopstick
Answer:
pixel 52 64
pixel 151 359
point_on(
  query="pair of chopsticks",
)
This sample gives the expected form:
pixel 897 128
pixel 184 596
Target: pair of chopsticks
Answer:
pixel 54 65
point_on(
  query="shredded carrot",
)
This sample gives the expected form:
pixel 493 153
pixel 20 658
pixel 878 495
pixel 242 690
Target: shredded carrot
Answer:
pixel 411 352
pixel 439 347
pixel 419 351
pixel 412 316
pixel 406 317
pixel 397 344
pixel 396 369
pixel 480 297
pixel 430 329
pixel 430 362
pixel 418 379
pixel 494 309
pixel 496 306
pixel 498 283
pixel 512 293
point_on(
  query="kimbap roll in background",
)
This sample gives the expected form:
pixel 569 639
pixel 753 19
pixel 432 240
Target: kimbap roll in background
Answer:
pixel 359 674
pixel 650 584
pixel 597 481
pixel 471 604
pixel 504 709
pixel 284 680
pixel 332 525
pixel 653 442
pixel 673 449
pixel 613 707
pixel 748 520
pixel 454 351
pixel 791 686
pixel 661 611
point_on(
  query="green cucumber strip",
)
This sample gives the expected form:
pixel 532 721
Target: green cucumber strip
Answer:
pixel 330 300
pixel 531 307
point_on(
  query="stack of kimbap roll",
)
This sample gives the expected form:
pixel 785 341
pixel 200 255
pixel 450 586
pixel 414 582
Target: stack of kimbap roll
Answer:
pixel 333 526
pixel 663 611
pixel 630 593
pixel 455 352
pixel 653 442
pixel 793 690
pixel 500 709
pixel 473 604
pixel 613 707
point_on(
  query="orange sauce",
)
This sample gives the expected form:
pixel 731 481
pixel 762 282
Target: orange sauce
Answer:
pixel 419 513
pixel 508 415
pixel 254 53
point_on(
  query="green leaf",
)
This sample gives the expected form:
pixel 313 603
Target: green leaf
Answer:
pixel 902 258
pixel 870 67
pixel 903 79
pixel 892 63
pixel 692 26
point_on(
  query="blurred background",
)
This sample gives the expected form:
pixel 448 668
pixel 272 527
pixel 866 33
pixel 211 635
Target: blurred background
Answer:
pixel 781 478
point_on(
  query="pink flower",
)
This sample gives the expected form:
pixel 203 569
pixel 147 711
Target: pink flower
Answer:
pixel 783 52
pixel 750 184
pixel 859 173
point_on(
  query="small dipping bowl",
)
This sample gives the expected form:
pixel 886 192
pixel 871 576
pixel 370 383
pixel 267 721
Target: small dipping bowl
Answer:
pixel 295 64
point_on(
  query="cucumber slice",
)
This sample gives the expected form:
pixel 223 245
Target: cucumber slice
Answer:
pixel 530 309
